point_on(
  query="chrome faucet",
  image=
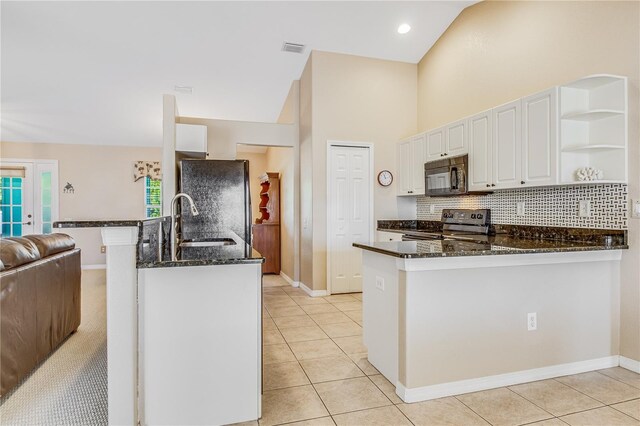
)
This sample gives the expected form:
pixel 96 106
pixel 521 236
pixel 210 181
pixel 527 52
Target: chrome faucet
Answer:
pixel 174 238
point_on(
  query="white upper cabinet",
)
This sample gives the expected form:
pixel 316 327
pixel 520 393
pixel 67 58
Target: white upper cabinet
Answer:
pixel 507 139
pixel 448 141
pixel 191 138
pixel 436 144
pixel 539 139
pixel 411 159
pixel 457 138
pixel 594 128
pixel 480 152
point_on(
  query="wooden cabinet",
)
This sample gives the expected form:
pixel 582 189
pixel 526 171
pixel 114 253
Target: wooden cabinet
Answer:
pixel 266 231
pixel 411 159
pixel 447 141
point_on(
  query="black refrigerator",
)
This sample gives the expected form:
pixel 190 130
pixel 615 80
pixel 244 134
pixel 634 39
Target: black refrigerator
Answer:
pixel 220 190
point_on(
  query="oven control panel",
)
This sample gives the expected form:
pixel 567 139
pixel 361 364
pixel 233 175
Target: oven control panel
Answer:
pixel 478 217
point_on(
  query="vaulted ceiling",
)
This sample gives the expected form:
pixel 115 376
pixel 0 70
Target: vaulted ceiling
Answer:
pixel 95 72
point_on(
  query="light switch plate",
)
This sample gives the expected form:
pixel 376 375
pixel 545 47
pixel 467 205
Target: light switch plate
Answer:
pixel 635 209
pixel 584 208
pixel 380 283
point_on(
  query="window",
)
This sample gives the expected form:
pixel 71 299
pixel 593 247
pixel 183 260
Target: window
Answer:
pixel 11 206
pixel 152 197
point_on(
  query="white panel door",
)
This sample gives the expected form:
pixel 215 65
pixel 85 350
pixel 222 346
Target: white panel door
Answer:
pixel 539 139
pixel 435 144
pixel 480 161
pixel 418 158
pixel 507 144
pixel 405 167
pixel 349 217
pixel 457 138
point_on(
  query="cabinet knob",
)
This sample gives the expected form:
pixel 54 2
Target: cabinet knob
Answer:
pixel 445 154
pixel 410 192
pixel 522 182
pixel 493 184
pixel 488 186
pixel 441 155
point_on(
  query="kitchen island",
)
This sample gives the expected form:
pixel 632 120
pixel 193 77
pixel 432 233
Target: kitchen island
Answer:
pixel 183 336
pixel 444 317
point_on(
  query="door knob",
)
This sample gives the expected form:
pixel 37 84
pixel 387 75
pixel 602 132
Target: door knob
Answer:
pixel 29 216
pixel 26 223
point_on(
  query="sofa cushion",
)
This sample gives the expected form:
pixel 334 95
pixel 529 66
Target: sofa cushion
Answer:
pixel 52 243
pixel 17 251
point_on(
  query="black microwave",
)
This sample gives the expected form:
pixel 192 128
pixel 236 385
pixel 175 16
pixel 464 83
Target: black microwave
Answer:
pixel 447 177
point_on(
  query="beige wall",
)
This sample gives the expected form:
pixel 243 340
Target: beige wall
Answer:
pixel 103 180
pixel 257 167
pixel 280 160
pixel 306 174
pixel 495 52
pixel 362 100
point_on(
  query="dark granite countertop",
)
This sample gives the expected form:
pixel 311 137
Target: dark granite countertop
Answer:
pixel 237 253
pixel 509 239
pixel 95 223
pixel 147 247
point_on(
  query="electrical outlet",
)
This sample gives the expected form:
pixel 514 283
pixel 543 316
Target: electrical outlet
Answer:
pixel 305 223
pixel 380 283
pixel 103 249
pixel 584 208
pixel 635 209
pixel 432 208
pixel 520 208
pixel 532 321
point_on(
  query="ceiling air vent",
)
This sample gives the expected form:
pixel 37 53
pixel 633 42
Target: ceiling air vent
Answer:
pixel 292 47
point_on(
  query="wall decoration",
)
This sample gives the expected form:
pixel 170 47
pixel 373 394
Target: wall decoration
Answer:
pixel 69 189
pixel 545 206
pixel 143 169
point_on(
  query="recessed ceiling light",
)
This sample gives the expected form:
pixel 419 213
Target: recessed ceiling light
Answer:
pixel 404 28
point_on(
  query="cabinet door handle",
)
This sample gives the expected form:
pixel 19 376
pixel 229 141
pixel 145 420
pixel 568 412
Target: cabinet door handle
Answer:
pixel 445 154
pixel 493 184
pixel 522 182
pixel 488 186
pixel 409 192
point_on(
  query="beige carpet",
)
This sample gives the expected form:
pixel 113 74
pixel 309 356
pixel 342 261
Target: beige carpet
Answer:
pixel 69 387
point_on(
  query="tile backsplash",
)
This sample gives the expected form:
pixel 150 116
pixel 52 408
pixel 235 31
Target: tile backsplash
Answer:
pixel 548 206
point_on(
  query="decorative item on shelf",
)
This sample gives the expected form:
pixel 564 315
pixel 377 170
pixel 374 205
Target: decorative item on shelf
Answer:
pixel 69 189
pixel 143 169
pixel 588 174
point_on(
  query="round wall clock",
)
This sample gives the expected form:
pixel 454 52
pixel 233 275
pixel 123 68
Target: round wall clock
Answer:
pixel 385 178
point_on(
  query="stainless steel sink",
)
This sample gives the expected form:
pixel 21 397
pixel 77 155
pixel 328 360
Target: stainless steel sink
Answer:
pixel 207 242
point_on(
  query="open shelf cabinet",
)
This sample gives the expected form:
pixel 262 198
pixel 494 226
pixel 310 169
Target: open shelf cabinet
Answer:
pixel 593 128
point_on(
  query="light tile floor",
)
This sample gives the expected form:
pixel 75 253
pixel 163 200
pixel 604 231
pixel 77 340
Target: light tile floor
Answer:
pixel 316 373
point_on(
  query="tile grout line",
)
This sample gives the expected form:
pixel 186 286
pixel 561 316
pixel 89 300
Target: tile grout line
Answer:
pixel 472 410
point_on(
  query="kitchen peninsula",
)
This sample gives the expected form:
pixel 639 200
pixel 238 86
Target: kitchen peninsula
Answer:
pixel 172 359
pixel 455 315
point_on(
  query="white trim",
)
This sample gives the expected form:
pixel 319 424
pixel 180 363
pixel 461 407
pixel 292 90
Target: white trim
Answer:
pixel 96 266
pixel 120 236
pixel 370 147
pixel 289 280
pixel 630 364
pixel 312 293
pixel 465 262
pixel 491 382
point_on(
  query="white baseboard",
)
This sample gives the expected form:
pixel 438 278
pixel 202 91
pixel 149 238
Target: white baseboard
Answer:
pixel 99 266
pixel 491 382
pixel 288 279
pixel 312 293
pixel 630 364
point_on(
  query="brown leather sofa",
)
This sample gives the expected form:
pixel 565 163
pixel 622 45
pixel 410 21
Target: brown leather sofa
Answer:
pixel 39 301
